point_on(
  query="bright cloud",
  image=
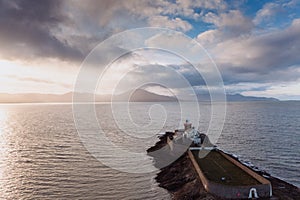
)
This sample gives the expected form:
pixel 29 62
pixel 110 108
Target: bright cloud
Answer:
pixel 164 21
pixel 269 10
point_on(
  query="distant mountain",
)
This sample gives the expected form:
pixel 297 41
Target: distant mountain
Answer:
pixel 239 97
pixel 234 98
pixel 34 98
pixel 138 95
pixel 141 95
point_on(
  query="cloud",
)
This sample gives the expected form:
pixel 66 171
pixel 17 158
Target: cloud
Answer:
pixel 113 14
pixel 245 51
pixel 233 20
pixel 68 30
pixel 149 66
pixel 228 25
pixel 38 80
pixel 244 55
pixel 283 91
pixel 205 4
pixel 262 53
pixel 290 4
pixel 27 30
pixel 164 21
pixel 268 10
pixel 210 37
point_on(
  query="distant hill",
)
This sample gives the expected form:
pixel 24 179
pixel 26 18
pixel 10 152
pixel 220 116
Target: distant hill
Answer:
pixel 239 97
pixel 138 95
pixel 141 95
pixel 235 98
pixel 34 98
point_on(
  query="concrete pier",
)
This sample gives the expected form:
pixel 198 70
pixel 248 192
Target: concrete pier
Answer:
pixel 225 177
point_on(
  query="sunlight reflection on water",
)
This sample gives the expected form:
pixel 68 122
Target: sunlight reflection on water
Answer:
pixel 3 148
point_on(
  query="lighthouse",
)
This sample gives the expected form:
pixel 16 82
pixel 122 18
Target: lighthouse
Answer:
pixel 191 133
pixel 187 125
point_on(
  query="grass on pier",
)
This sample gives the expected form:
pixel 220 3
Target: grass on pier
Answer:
pixel 220 170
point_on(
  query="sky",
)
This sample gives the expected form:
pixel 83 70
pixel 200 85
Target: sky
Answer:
pixel 255 44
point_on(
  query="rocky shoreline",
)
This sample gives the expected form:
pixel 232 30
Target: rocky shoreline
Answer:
pixel 182 181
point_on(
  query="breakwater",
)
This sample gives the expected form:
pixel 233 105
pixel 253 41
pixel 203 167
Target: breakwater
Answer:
pixel 182 181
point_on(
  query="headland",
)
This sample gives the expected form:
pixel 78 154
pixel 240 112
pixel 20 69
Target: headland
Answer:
pixel 181 178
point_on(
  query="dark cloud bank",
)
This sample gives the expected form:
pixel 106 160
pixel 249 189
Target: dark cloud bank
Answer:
pixel 27 29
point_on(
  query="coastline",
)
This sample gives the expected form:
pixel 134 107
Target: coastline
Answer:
pixel 181 180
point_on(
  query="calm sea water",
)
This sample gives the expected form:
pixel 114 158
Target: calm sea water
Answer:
pixel 42 156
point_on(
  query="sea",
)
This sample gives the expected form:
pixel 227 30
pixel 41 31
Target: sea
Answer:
pixel 44 155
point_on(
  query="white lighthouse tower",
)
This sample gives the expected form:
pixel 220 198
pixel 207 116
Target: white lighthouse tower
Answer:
pixel 191 133
pixel 187 125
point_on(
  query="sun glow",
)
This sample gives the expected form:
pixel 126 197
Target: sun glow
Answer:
pixel 24 77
